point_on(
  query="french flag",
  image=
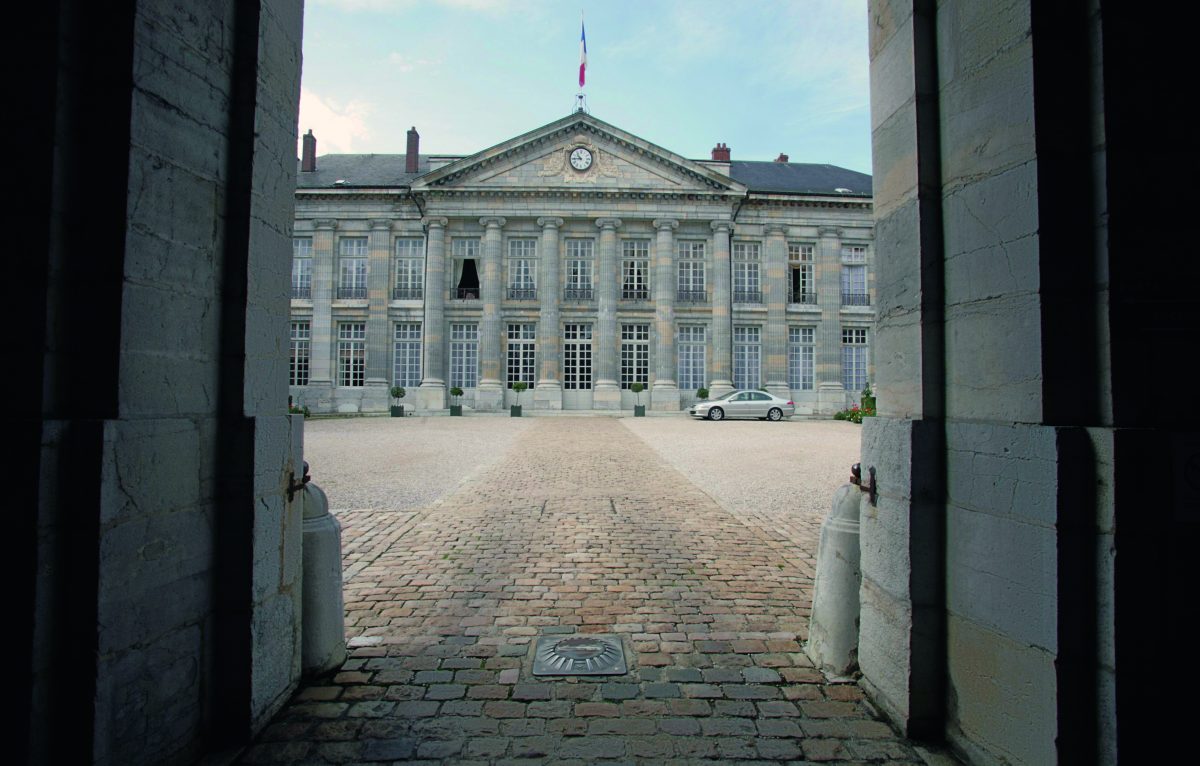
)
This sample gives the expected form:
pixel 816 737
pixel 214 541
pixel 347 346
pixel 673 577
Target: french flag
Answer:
pixel 582 53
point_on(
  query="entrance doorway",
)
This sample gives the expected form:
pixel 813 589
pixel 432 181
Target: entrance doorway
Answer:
pixel 577 367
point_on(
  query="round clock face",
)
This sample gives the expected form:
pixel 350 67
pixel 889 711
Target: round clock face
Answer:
pixel 581 159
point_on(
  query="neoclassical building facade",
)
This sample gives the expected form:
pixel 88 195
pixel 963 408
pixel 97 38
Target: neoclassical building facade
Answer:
pixel 579 259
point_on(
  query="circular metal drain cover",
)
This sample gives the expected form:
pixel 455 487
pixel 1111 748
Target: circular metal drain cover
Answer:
pixel 592 655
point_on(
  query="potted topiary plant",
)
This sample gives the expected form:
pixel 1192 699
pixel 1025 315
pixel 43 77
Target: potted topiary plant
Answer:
pixel 515 410
pixel 397 393
pixel 639 409
pixel 455 407
pixel 702 394
pixel 868 398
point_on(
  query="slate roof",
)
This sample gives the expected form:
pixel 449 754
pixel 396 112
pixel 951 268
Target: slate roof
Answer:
pixel 387 170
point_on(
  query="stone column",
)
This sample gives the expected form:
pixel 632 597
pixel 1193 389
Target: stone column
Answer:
pixel 775 290
pixel 606 392
pixel 319 394
pixel 548 393
pixel 665 393
pixel 432 393
pixel 379 336
pixel 831 397
pixel 489 394
pixel 722 313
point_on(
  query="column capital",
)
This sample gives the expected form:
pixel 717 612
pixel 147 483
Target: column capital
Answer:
pixel 325 223
pixel 721 226
pixel 608 223
pixel 380 223
pixel 666 223
pixel 550 222
pixel 435 221
pixel 776 230
pixel 829 231
pixel 493 221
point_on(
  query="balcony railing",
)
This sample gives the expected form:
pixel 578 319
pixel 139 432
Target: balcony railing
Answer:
pixel 634 294
pixel 352 293
pixel 691 296
pixel 407 293
pixel 801 297
pixel 577 294
pixel 465 294
pixel 747 296
pixel 522 293
pixel 303 292
pixel 856 299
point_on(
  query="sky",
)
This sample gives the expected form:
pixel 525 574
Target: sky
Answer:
pixel 763 76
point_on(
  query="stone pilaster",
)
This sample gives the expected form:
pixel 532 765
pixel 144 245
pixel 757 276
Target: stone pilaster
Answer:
pixel 379 336
pixel 489 394
pixel 831 397
pixel 665 393
pixel 319 394
pixel 432 393
pixel 606 392
pixel 548 393
pixel 722 313
pixel 775 291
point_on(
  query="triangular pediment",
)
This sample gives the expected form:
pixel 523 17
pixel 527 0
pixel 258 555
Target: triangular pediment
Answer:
pixel 615 161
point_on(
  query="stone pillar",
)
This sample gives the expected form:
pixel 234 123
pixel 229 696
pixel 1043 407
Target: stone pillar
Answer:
pixel 379 335
pixel 432 393
pixel 606 391
pixel 319 394
pixel 722 313
pixel 775 290
pixel 489 394
pixel 665 393
pixel 831 397
pixel 548 393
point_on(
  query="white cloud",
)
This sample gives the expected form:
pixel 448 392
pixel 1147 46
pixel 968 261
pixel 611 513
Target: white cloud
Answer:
pixel 404 63
pixel 339 127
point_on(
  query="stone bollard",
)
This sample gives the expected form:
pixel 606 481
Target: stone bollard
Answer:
pixel 323 644
pixel 833 628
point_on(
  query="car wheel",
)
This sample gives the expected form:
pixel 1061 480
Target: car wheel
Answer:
pixel 716 413
pixel 775 414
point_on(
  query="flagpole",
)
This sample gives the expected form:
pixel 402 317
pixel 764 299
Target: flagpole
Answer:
pixel 580 99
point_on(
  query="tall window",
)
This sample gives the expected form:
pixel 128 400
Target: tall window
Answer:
pixel 746 261
pixel 352 354
pixel 464 355
pixel 465 257
pixel 521 354
pixel 691 357
pixel 577 357
pixel 302 267
pixel 301 354
pixel 406 355
pixel 352 267
pixel 522 265
pixel 747 357
pixel 635 354
pixel 580 257
pixel 854 358
pixel 635 269
pixel 854 276
pixel 410 269
pixel 691 271
pixel 854 254
pixel 802 288
pixel 800 358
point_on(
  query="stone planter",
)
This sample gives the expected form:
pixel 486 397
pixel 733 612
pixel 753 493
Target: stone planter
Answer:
pixel 456 410
pixel 397 410
pixel 514 410
pixel 639 410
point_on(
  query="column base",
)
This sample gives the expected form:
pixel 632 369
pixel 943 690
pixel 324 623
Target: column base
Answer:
pixel 489 396
pixel 606 395
pixel 664 397
pixel 317 396
pixel 719 388
pixel 547 395
pixel 831 398
pixel 375 396
pixel 782 390
pixel 431 396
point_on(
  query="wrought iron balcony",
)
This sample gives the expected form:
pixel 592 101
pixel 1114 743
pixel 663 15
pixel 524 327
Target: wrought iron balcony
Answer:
pixel 352 293
pixel 303 292
pixel 577 294
pixel 465 294
pixel 522 293
pixel 747 296
pixel 407 293
pixel 801 297
pixel 634 294
pixel 691 296
pixel 856 299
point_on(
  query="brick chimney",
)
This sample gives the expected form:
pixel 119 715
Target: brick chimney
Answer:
pixel 781 158
pixel 308 155
pixel 720 153
pixel 413 152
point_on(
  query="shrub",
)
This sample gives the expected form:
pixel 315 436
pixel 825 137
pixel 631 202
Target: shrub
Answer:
pixel 701 393
pixel 855 414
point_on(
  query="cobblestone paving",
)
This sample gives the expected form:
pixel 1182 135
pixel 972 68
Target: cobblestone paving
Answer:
pixel 579 528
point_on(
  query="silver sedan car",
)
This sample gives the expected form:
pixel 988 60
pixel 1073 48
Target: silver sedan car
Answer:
pixel 744 404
